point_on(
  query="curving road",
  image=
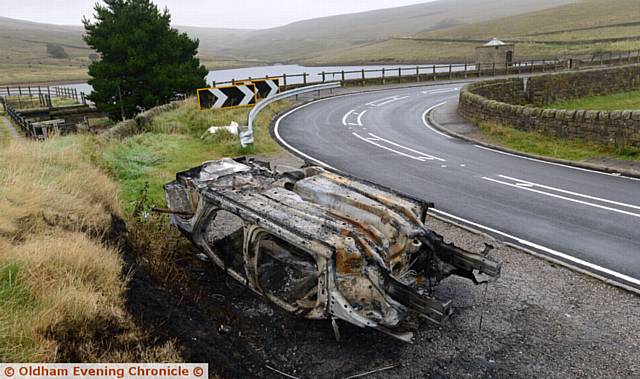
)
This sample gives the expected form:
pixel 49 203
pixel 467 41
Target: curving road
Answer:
pixel 586 218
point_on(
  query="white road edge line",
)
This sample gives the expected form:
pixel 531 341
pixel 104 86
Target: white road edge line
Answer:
pixel 424 121
pixel 547 250
pixel 282 141
pixel 572 193
pixel 406 148
pixel 563 197
pixel 555 164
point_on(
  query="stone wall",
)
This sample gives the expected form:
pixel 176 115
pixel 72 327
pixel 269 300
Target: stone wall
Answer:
pixel 517 103
pixel 548 89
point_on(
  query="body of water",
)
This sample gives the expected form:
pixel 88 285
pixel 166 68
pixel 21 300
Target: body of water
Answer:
pixel 314 73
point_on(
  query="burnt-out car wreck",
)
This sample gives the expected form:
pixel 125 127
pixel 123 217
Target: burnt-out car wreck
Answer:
pixel 321 244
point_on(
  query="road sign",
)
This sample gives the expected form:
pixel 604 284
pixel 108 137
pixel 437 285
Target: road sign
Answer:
pixel 227 97
pixel 266 87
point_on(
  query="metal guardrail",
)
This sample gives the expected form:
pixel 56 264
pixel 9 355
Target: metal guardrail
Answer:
pixel 246 137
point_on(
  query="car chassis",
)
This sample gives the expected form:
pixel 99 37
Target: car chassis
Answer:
pixel 322 244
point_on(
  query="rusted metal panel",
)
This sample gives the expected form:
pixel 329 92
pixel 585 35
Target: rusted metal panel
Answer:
pixel 321 244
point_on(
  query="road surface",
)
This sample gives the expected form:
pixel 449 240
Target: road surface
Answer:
pixel 586 218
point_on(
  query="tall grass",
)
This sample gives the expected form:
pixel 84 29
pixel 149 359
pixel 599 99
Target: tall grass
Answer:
pixel 176 141
pixel 61 288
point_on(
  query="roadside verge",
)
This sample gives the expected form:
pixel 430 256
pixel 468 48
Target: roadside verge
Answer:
pixel 445 119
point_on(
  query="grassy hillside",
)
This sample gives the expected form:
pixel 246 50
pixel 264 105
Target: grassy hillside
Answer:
pixel 24 57
pixel 585 27
pixel 411 34
pixel 322 38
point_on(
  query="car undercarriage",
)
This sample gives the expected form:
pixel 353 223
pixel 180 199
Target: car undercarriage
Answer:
pixel 322 244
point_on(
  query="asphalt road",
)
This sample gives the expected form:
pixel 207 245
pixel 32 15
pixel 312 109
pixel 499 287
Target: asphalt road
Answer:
pixel 587 218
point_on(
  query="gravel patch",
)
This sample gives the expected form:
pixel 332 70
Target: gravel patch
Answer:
pixel 537 320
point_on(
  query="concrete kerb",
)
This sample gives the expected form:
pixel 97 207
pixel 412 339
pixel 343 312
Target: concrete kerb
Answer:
pixel 583 165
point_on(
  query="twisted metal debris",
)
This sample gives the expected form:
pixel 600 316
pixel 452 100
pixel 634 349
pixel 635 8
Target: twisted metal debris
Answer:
pixel 321 244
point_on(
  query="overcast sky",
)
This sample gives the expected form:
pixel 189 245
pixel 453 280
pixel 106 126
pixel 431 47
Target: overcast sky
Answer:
pixel 248 14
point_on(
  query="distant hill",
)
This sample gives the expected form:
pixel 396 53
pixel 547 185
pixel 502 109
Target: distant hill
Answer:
pixel 25 42
pixel 439 31
pixel 322 37
pixel 586 26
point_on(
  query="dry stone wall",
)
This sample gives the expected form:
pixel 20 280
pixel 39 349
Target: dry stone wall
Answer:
pixel 518 103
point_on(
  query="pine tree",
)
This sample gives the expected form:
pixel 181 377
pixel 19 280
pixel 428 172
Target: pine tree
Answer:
pixel 143 61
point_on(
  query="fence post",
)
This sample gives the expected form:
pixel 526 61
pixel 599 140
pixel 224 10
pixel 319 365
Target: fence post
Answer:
pixel 479 69
pixel 434 72
pixel 532 66
pixel 284 80
pixel 19 91
pixel 342 77
pixel 383 76
pixel 323 76
pixel 399 74
pixel 8 91
pixel 417 74
pixel 465 70
pixel 304 78
pixel 363 80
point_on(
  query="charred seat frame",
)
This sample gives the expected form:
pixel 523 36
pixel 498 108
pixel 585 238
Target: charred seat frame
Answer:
pixel 323 244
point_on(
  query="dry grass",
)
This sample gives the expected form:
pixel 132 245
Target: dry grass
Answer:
pixel 61 288
pixel 40 73
pixel 176 141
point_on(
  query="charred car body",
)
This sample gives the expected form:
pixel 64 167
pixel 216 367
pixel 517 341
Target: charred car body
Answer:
pixel 321 244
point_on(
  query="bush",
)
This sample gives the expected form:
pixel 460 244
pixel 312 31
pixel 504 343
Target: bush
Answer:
pixel 56 51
